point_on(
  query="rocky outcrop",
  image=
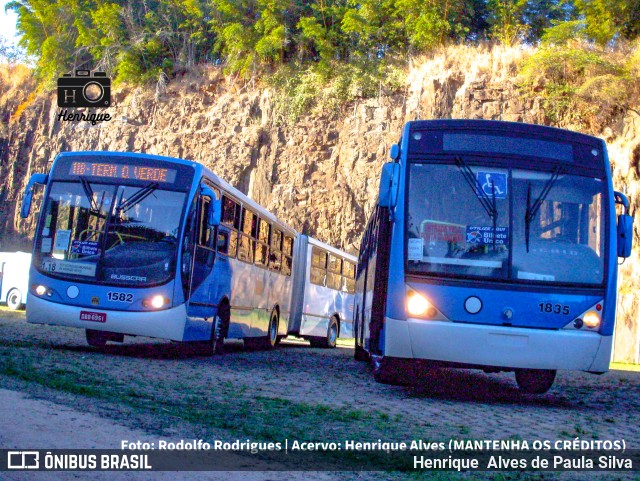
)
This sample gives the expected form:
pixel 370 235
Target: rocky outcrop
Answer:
pixel 320 174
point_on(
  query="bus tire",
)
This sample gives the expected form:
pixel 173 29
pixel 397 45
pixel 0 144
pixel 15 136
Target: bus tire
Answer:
pixel 394 371
pixel 383 370
pixel 359 353
pixel 333 331
pixel 535 381
pixel 265 342
pixel 330 340
pixel 271 340
pixel 14 300
pixel 96 338
pixel 220 329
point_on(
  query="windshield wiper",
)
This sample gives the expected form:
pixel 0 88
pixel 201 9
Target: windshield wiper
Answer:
pixel 532 209
pixel 488 204
pixel 138 197
pixel 88 191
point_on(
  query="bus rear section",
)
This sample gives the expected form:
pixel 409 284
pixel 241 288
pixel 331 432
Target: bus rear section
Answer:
pixel 497 251
pixel 322 303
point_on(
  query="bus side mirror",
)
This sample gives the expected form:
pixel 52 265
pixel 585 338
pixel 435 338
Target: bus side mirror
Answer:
pixel 28 193
pixel 624 227
pixel 215 212
pixel 215 207
pixel 389 182
pixel 625 235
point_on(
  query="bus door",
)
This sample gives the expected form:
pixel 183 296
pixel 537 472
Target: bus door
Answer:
pixel 375 280
pixel 200 243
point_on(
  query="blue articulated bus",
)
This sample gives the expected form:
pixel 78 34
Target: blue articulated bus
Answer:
pixel 142 245
pixel 493 245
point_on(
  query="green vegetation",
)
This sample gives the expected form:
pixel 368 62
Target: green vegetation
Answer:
pixel 321 54
pixel 135 41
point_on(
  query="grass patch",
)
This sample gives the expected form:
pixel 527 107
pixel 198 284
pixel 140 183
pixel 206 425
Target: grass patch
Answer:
pixel 620 366
pixel 223 410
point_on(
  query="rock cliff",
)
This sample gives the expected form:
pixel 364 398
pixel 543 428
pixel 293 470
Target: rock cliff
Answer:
pixel 319 174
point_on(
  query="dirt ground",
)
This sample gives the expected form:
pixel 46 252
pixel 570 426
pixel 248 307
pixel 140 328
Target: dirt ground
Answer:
pixel 448 404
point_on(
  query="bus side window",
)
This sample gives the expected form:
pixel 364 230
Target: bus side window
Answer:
pixel 231 218
pixel 287 255
pixel 230 212
pixel 233 243
pixel 245 246
pixel 349 274
pixel 334 277
pixel 275 257
pixel 205 235
pixel 222 244
pixel 318 273
pixel 262 244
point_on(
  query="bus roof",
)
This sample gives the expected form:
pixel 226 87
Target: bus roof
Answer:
pixel 503 126
pixel 331 249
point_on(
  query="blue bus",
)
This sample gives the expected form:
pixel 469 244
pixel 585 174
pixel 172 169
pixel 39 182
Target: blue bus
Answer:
pixel 323 294
pixel 143 245
pixel 493 245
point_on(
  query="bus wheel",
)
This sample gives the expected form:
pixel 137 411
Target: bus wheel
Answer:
pixel 394 371
pixel 359 353
pixel 14 299
pixel 382 370
pixel 219 329
pixel 272 333
pixel 265 342
pixel 331 339
pixel 96 338
pixel 535 381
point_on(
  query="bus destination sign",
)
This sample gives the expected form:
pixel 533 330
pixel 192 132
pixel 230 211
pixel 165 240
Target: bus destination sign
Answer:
pixel 123 171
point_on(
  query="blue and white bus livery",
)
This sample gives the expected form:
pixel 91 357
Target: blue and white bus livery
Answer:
pixel 142 245
pixel 324 286
pixel 493 245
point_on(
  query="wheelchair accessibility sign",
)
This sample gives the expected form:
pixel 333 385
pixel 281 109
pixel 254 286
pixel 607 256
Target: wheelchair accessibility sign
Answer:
pixel 492 183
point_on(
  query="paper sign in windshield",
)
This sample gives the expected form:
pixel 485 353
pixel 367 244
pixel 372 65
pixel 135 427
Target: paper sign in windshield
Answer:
pixel 62 240
pixel 483 235
pixel 86 248
pixel 492 183
pixel 414 249
pixel 434 231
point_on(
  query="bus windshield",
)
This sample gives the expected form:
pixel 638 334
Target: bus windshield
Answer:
pixel 505 224
pixel 112 234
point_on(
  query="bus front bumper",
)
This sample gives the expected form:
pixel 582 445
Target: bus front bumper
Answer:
pixel 164 324
pixel 497 346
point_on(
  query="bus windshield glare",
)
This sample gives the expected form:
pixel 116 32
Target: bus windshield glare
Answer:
pixel 505 224
pixel 109 233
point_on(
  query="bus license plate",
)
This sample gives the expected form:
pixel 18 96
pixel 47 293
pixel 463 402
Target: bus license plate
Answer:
pixel 93 316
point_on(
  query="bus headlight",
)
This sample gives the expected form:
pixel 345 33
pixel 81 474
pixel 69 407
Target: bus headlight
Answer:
pixel 41 290
pixel 591 319
pixel 156 302
pixel 419 306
